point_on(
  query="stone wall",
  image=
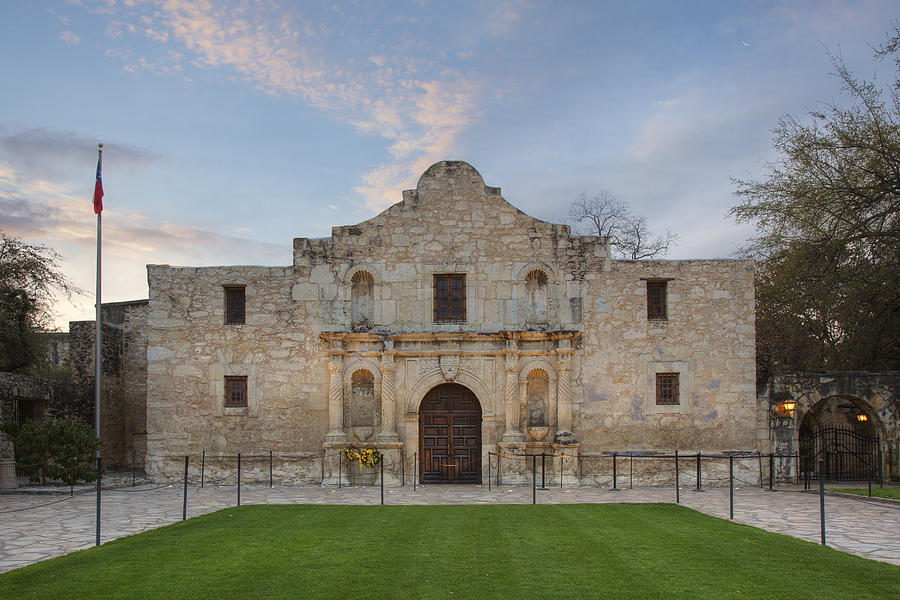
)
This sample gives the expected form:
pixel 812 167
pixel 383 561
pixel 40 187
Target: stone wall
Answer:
pixel 876 395
pixel 554 341
pixel 123 396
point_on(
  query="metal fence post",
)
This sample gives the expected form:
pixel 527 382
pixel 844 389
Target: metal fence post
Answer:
pixel 615 475
pixel 822 499
pixel 415 470
pixel 630 470
pixel 699 473
pixel 133 464
pixel 184 503
pixel 239 480
pixel 202 467
pixel 677 488
pixel 489 471
pixel 381 465
pixel 543 471
pixel 270 469
pixel 340 466
pixel 771 470
pixel 534 478
pixel 731 486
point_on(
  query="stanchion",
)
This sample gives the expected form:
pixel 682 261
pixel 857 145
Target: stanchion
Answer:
pixel 340 466
pixel 489 471
pixel 615 474
pixel 771 471
pixel 731 486
pixel 184 503
pixel 822 498
pixel 534 478
pixel 677 488
pixel 270 469
pixel 562 458
pixel 759 459
pixel 630 470
pixel 699 470
pixel 402 467
pixel 415 470
pixel 543 456
pixel 381 464
pixel 870 474
pixel 202 467
pixel 239 480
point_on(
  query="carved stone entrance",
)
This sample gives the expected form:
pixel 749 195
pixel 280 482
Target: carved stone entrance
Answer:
pixel 450 436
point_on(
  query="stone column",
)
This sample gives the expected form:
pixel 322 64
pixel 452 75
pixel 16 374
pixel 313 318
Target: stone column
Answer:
pixel 388 402
pixel 512 407
pixel 336 433
pixel 563 394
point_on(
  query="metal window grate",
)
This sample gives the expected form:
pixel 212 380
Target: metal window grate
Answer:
pixel 235 303
pixel 235 391
pixel 449 297
pixel 667 388
pixel 656 300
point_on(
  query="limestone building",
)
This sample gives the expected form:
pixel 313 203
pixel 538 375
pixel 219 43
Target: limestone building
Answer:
pixel 449 326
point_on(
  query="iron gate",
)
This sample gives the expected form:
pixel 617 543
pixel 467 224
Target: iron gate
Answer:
pixel 846 455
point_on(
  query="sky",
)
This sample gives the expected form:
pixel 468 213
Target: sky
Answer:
pixel 231 127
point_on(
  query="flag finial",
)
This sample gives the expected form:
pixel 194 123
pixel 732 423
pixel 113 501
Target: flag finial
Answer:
pixel 100 145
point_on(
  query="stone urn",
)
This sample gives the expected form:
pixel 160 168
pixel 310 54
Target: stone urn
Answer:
pixel 538 433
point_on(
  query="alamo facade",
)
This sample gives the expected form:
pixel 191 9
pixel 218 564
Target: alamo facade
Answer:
pixel 450 326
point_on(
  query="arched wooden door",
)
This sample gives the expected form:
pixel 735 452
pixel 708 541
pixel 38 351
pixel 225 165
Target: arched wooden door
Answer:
pixel 450 436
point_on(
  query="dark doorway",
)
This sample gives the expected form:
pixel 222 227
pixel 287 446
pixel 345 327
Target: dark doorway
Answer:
pixel 450 436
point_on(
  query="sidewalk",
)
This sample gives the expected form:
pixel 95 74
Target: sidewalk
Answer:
pixel 34 527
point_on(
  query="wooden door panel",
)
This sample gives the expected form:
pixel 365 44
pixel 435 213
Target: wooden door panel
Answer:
pixel 450 435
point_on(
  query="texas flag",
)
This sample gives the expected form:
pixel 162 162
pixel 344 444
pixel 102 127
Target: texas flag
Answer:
pixel 98 187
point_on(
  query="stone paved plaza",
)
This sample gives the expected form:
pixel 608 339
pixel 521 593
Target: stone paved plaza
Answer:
pixel 863 528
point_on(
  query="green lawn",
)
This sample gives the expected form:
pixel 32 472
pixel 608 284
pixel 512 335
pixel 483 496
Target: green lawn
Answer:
pixel 368 552
pixel 893 493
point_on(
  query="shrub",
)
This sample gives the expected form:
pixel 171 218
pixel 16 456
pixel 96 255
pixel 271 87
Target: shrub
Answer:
pixel 61 450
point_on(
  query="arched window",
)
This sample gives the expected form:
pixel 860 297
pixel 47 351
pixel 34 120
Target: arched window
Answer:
pixel 536 297
pixel 362 301
pixel 361 406
pixel 537 392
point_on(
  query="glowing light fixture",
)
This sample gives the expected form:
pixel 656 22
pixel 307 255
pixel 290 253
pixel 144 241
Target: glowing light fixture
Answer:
pixel 862 418
pixel 785 409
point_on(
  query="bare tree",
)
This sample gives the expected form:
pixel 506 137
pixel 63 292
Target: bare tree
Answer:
pixel 605 215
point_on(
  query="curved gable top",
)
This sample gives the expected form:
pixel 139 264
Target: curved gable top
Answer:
pixel 455 186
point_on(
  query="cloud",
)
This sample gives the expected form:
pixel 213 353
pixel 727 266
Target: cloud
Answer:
pixel 60 216
pixel 46 153
pixel 69 37
pixel 418 107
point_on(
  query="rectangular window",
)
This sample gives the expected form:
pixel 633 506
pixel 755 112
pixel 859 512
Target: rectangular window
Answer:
pixel 449 297
pixel 234 305
pixel 667 388
pixel 656 300
pixel 236 391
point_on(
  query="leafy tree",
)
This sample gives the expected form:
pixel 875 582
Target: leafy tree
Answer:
pixel 828 243
pixel 29 277
pixel 629 236
pixel 60 450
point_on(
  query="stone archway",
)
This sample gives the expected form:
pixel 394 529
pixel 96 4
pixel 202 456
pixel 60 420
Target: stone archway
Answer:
pixel 450 435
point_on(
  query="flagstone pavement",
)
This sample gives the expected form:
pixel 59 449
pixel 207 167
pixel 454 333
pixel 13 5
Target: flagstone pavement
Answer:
pixel 34 527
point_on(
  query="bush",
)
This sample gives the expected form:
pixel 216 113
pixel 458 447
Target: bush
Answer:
pixel 60 450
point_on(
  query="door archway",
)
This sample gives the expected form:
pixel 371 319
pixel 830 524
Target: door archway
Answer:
pixel 450 436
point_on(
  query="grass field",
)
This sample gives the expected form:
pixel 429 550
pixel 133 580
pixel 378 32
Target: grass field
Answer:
pixel 893 493
pixel 370 552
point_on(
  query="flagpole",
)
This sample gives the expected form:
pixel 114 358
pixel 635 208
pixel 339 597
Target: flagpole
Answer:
pixel 98 355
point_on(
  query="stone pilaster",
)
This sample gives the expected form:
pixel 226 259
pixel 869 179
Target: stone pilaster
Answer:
pixel 564 433
pixel 388 431
pixel 336 433
pixel 512 405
